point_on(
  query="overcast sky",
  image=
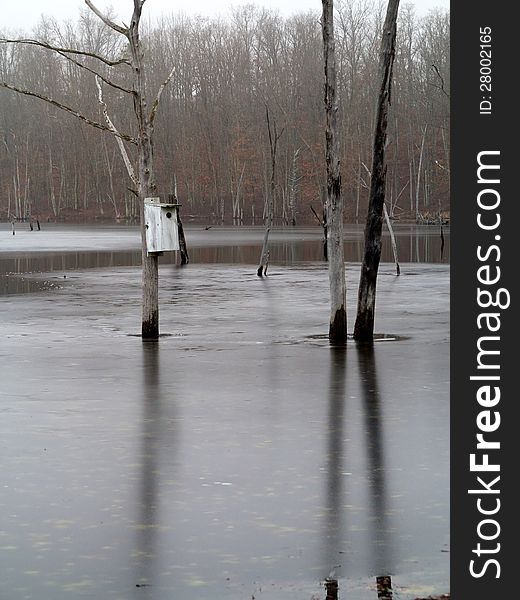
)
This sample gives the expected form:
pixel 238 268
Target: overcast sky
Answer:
pixel 23 14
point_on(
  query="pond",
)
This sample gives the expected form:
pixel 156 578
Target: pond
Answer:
pixel 240 456
pixel 63 248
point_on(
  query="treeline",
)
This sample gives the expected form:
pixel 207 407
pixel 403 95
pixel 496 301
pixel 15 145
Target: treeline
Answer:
pixel 238 83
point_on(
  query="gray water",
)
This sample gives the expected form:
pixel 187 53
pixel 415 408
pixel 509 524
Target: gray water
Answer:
pixel 70 247
pixel 240 455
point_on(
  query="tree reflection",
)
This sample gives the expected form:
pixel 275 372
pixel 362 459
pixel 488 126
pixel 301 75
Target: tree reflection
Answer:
pixel 380 534
pixel 148 490
pixel 334 464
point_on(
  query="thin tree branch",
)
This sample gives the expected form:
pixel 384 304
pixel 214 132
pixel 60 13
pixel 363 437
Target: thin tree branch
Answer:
pixel 442 81
pixel 71 111
pixel 316 215
pixel 109 63
pixel 113 129
pixel 105 19
pixel 107 81
pixel 269 127
pixel 155 105
pixel 401 193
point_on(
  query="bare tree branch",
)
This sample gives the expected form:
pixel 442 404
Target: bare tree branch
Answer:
pixel 113 129
pixel 109 63
pixel 316 215
pixel 441 80
pixel 71 111
pixel 155 105
pixel 105 19
pixel 107 81
pixel 367 169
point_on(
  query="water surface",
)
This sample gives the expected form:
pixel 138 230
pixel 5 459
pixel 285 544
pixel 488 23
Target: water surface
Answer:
pixel 238 457
pixel 71 247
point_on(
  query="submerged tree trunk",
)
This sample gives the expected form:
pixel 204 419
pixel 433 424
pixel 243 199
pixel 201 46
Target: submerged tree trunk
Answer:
pixel 183 248
pixel 323 224
pixel 364 327
pixel 150 276
pixel 236 198
pixel 274 136
pixel 146 187
pixel 334 203
pixel 392 238
pixel 419 169
pixel 331 587
pixel 143 176
pixel 264 259
pixel 384 587
pixel 293 184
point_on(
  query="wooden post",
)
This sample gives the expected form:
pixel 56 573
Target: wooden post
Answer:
pixel 183 249
pixel 364 327
pixel 384 587
pixel 332 588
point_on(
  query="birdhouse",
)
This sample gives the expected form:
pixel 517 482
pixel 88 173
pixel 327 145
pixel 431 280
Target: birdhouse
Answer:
pixel 162 234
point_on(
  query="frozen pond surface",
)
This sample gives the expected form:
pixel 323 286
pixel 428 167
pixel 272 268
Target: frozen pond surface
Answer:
pixel 238 457
pixel 66 247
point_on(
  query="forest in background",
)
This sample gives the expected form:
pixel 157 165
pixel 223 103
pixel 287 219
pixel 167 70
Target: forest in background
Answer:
pixel 234 80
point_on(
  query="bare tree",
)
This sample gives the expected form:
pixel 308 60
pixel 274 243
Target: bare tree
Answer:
pixel 293 185
pixel 212 113
pixel 334 203
pixel 142 176
pixel 274 137
pixel 364 327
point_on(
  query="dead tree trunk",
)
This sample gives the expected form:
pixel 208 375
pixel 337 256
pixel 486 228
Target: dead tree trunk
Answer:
pixel 183 248
pixel 392 238
pixel 145 178
pixel 274 136
pixel 146 181
pixel 323 224
pixel 334 203
pixel 143 175
pixel 293 184
pixel 236 198
pixel 419 170
pixel 364 327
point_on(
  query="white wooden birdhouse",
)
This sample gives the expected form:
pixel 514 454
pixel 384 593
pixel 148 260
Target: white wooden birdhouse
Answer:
pixel 162 233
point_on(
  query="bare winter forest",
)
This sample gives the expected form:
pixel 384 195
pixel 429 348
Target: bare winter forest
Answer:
pixel 234 80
